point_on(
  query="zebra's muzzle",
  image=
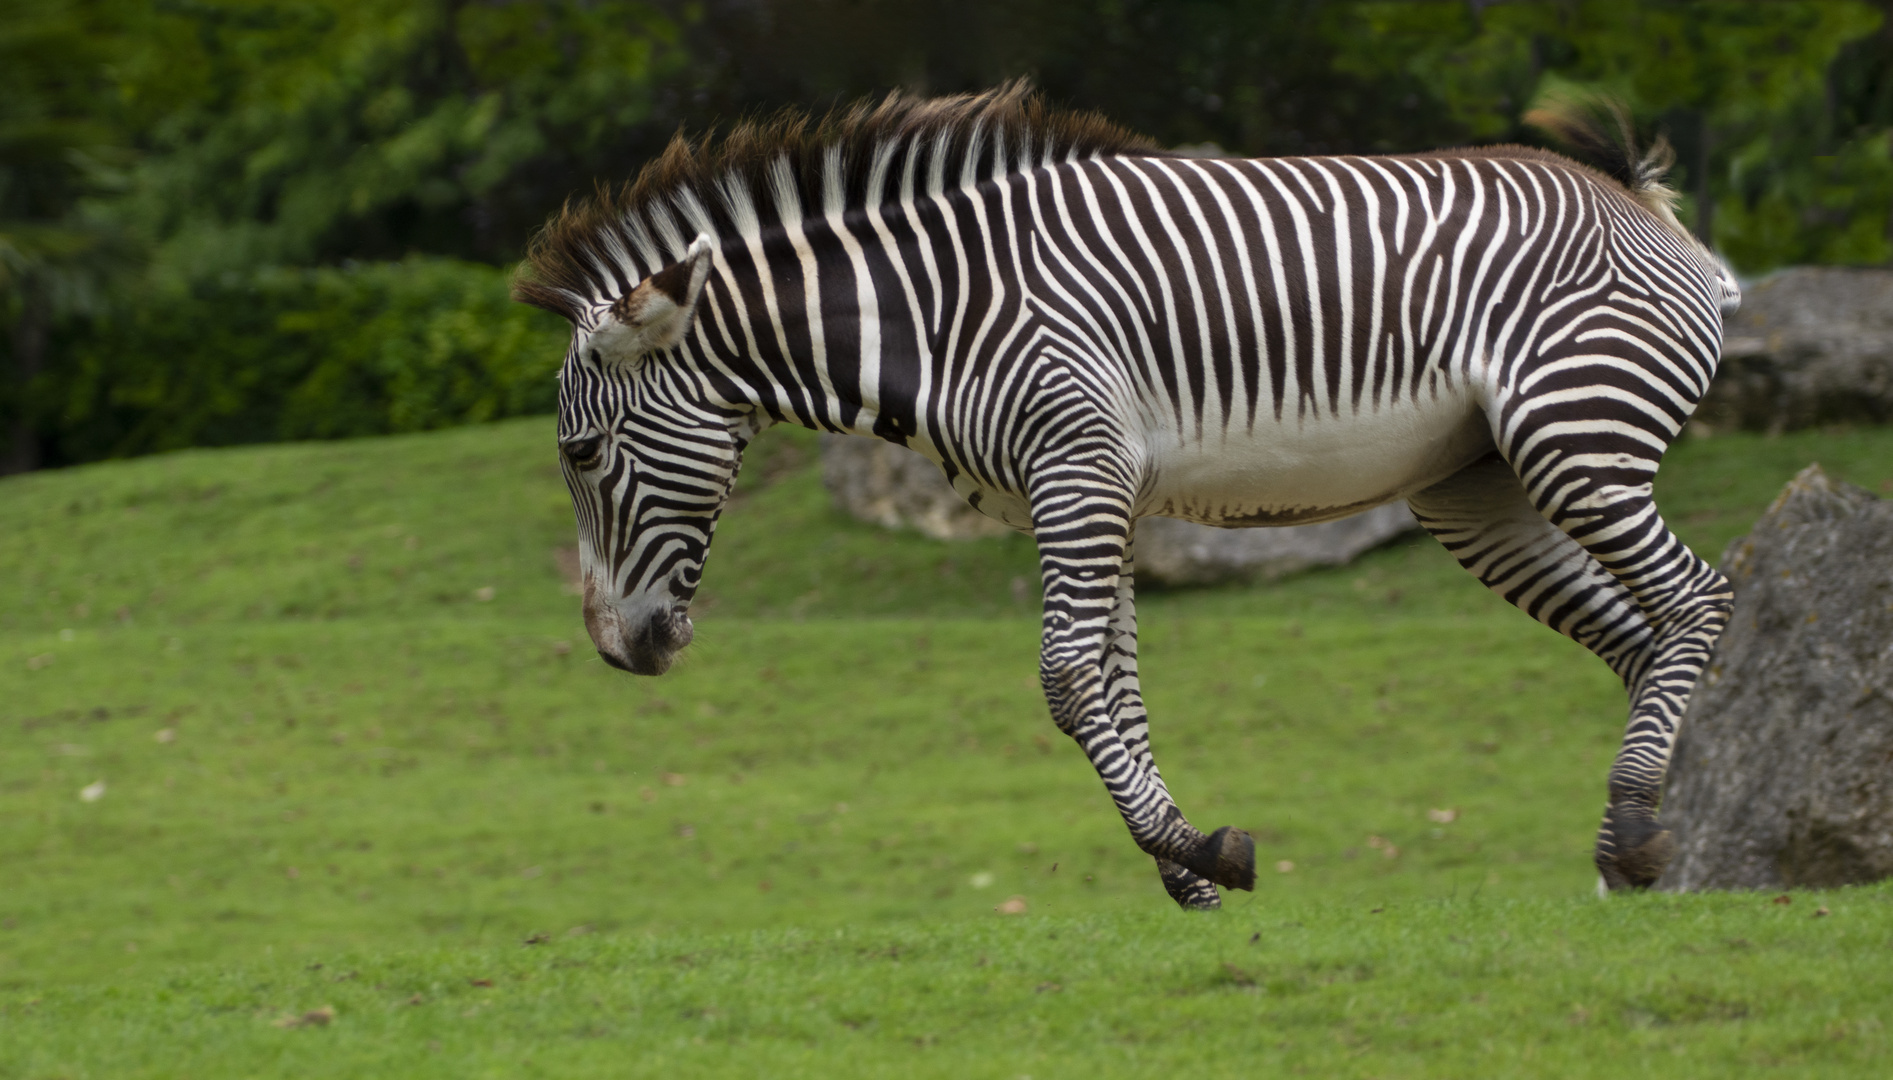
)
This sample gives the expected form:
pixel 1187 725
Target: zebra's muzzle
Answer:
pixel 642 640
pixel 653 644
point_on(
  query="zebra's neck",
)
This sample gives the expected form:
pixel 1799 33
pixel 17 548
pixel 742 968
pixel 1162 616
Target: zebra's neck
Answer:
pixel 833 324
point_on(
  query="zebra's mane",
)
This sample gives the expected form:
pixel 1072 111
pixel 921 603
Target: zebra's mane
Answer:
pixel 797 164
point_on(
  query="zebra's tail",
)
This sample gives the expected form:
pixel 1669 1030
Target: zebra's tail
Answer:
pixel 1597 127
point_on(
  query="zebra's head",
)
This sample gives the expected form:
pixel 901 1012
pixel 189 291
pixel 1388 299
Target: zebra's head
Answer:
pixel 649 459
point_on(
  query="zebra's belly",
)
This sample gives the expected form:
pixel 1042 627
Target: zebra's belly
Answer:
pixel 1308 470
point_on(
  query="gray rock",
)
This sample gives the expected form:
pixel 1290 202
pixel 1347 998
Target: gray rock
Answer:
pixel 1812 345
pixel 1784 769
pixel 895 488
pixel 891 486
pixel 1185 553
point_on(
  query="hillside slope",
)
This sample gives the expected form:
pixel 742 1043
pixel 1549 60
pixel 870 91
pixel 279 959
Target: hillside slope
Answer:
pixel 417 525
pixel 253 701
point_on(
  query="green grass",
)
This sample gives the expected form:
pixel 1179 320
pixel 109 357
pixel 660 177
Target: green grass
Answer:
pixel 1650 986
pixel 320 745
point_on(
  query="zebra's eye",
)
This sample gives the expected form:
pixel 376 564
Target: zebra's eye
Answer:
pixel 584 451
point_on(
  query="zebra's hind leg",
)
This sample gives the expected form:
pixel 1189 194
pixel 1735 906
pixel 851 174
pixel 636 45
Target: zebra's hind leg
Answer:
pixel 1592 559
pixel 1083 533
pixel 1125 700
pixel 1686 603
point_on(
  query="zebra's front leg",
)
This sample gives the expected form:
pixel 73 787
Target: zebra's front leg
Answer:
pixel 1082 549
pixel 1125 699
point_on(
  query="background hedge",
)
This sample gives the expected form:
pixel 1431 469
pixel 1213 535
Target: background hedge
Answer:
pixel 161 161
pixel 331 352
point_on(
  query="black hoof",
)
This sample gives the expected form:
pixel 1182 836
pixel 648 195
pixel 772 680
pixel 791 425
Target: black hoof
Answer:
pixel 1633 853
pixel 1191 893
pixel 1227 858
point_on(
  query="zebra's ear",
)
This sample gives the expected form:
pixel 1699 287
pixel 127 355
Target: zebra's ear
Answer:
pixel 655 316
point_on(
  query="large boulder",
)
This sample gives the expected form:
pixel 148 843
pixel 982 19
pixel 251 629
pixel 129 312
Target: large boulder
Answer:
pixel 894 487
pixel 1783 773
pixel 1185 553
pixel 1812 345
pixel 891 486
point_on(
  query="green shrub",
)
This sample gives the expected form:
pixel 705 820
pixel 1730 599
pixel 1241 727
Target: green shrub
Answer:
pixel 287 354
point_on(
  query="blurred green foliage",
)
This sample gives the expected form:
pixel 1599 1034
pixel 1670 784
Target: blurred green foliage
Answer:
pixel 364 349
pixel 52 153
pixel 166 163
pixel 258 137
pixel 57 259
pixel 275 134
pixel 1780 111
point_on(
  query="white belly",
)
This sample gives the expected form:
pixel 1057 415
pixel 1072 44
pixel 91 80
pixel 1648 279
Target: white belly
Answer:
pixel 1304 470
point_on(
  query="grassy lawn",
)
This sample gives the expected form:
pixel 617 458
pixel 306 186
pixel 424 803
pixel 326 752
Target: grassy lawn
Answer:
pixel 334 707
pixel 1648 986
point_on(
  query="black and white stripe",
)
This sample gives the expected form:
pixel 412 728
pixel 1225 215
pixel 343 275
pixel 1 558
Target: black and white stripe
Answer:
pixel 1083 331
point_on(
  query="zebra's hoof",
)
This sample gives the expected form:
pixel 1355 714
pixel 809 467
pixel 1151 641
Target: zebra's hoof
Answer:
pixel 1227 858
pixel 1191 892
pixel 1640 850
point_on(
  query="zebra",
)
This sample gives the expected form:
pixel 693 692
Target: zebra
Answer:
pixel 1082 329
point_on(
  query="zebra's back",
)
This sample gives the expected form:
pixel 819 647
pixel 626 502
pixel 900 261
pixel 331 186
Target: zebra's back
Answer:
pixel 1306 337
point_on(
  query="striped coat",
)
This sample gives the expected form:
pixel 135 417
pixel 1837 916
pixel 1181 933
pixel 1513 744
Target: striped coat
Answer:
pixel 1084 331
